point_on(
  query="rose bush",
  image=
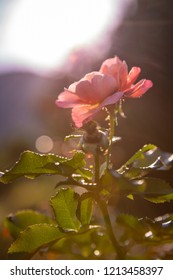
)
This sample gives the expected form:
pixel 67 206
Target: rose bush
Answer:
pixel 86 211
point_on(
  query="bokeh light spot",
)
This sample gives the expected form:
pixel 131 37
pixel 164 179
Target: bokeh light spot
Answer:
pixel 44 144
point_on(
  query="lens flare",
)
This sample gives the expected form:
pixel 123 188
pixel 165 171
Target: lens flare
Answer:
pixel 40 34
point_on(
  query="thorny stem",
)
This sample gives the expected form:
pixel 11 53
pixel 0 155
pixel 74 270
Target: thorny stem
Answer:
pixel 95 192
pixel 104 209
pixel 117 247
pixel 97 166
pixel 111 135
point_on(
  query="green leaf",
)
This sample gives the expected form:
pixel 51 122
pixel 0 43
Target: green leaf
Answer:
pixel 67 182
pixel 65 204
pixel 77 161
pixel 83 173
pixel 86 207
pixel 157 190
pixel 131 223
pixel 78 246
pixel 147 158
pixel 139 157
pixel 117 184
pixel 34 237
pixel 149 235
pixel 79 178
pixel 134 228
pixel 22 219
pixel 128 220
pixel 152 189
pixel 31 165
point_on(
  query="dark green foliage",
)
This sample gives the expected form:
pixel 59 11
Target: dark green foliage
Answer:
pixel 73 230
pixel 147 158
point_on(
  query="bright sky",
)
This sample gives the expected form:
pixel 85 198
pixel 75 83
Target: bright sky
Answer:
pixel 41 33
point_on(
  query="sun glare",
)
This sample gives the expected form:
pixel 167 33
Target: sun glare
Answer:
pixel 42 33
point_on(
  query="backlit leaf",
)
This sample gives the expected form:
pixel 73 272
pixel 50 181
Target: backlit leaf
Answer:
pixel 147 158
pixel 31 165
pixel 86 207
pixel 157 190
pixel 22 219
pixel 34 237
pixel 65 204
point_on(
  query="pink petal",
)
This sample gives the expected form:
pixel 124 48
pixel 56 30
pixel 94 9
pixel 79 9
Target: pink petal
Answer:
pixel 133 75
pixel 103 86
pixel 90 76
pixel 123 72
pixel 82 89
pixel 114 98
pixel 139 89
pixel 83 113
pixel 116 68
pixel 94 87
pixel 88 91
pixel 67 99
pixel 72 87
pixel 111 66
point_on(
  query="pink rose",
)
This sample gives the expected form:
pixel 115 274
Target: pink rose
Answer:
pixel 100 89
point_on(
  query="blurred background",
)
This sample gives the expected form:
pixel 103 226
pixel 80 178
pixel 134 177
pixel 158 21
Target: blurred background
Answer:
pixel 45 45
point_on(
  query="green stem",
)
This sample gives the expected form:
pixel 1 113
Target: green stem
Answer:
pixel 101 202
pixel 97 166
pixel 112 127
pixel 117 247
pixel 111 135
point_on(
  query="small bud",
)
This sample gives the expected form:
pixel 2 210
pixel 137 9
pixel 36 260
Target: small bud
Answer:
pixel 94 140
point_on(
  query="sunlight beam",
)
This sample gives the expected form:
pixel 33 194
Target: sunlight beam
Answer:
pixel 42 33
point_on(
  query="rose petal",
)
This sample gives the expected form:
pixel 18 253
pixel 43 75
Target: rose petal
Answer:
pixel 103 86
pixel 116 68
pixel 83 90
pixel 139 89
pixel 123 72
pixel 83 113
pixel 90 76
pixel 114 98
pixel 67 99
pixel 94 87
pixel 111 66
pixel 133 75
